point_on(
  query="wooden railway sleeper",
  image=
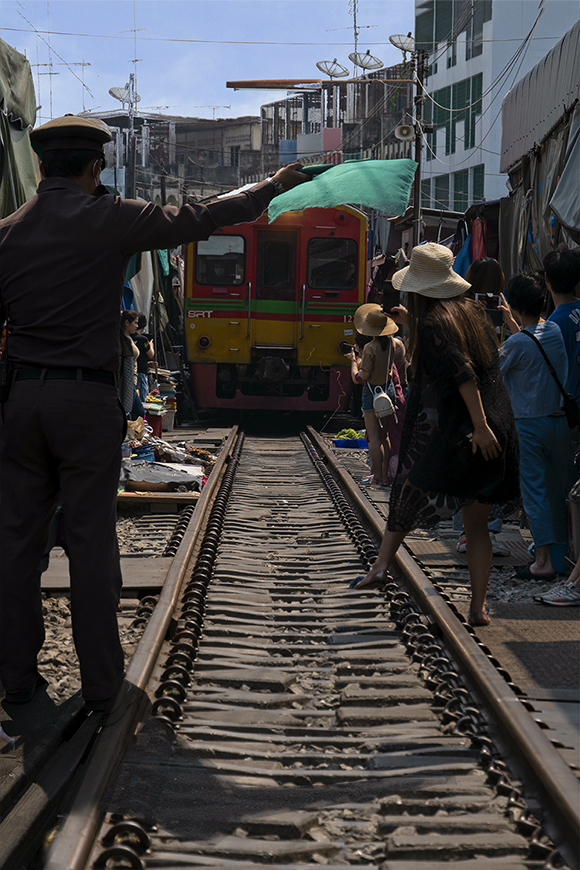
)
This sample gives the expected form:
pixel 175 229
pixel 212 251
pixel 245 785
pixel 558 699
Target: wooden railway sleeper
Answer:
pixel 460 718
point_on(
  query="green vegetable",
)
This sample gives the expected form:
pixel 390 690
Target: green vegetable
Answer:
pixel 351 434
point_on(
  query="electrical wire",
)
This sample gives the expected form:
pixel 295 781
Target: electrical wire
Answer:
pixel 50 49
pixel 212 41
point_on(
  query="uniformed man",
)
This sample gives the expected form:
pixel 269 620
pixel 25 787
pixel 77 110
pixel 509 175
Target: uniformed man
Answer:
pixel 62 262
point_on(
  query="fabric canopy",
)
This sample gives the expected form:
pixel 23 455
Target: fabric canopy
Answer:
pixel 384 185
pixel 17 99
pixel 565 203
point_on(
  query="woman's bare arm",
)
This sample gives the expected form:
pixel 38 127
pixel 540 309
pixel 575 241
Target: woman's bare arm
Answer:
pixel 483 437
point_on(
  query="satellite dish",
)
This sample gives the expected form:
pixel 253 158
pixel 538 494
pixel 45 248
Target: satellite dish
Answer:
pixel 123 95
pixel 367 61
pixel 405 132
pixel 332 68
pixel 402 42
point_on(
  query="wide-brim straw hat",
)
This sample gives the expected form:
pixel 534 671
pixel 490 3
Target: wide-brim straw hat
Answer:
pixel 370 319
pixel 430 273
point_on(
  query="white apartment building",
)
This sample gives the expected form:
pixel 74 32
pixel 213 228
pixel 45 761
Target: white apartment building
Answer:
pixel 475 57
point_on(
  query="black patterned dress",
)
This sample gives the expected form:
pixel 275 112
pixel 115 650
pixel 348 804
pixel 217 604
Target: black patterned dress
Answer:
pixel 437 472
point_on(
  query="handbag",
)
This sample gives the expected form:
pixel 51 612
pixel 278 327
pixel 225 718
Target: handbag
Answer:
pixel 571 409
pixel 383 405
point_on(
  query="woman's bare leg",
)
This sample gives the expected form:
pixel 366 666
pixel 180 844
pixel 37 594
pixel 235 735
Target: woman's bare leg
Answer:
pixel 389 546
pixel 479 553
pixel 384 430
pixel 375 444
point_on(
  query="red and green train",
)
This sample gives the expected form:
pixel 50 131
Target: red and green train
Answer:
pixel 267 307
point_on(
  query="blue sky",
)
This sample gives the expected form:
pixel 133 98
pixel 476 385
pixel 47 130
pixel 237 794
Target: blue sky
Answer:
pixel 181 77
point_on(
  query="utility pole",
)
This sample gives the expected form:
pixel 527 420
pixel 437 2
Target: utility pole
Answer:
pixel 130 168
pixel 419 100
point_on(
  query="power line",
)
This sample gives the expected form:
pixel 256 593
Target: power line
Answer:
pixel 216 41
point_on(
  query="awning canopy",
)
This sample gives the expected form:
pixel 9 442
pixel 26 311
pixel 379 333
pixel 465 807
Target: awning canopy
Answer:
pixel 538 102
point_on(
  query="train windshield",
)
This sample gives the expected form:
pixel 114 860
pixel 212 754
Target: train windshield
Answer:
pixel 220 260
pixel 332 264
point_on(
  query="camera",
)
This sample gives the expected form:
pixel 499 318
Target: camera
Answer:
pixel 490 302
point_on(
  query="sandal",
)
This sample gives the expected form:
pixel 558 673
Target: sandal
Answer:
pixel 368 481
pixel 382 578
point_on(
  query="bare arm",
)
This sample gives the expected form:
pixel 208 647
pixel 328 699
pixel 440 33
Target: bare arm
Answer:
pixel 507 315
pixel 483 437
pixel 401 362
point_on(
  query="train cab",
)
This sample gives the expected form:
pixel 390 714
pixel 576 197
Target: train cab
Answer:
pixel 267 306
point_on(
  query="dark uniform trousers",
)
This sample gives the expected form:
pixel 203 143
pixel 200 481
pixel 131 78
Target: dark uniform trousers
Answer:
pixel 61 437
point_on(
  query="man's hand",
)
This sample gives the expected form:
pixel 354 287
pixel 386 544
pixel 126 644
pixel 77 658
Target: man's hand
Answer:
pixel 290 176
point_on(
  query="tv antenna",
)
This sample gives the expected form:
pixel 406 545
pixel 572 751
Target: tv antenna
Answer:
pixel 211 107
pixel 332 68
pixel 366 61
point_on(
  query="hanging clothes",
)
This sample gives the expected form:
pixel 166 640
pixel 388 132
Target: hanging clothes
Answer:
pixel 463 259
pixel 479 238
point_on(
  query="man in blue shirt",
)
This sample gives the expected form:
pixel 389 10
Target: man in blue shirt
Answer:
pixel 562 273
pixel 541 424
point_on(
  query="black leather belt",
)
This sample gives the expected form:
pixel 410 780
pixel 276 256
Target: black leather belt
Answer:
pixel 96 375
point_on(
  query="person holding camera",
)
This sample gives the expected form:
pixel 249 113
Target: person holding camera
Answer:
pixel 541 423
pixel 459 447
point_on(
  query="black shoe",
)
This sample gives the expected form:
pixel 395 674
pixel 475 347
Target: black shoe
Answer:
pixel 524 573
pixel 27 695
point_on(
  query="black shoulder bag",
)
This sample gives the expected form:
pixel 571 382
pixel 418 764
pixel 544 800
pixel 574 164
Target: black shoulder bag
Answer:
pixel 571 409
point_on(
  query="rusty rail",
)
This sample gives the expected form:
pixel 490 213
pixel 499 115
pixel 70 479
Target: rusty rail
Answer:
pixel 72 845
pixel 549 773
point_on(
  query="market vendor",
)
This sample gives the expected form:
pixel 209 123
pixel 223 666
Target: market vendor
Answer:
pixel 64 255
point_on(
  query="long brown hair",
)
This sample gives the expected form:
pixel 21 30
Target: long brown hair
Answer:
pixel 485 276
pixel 461 321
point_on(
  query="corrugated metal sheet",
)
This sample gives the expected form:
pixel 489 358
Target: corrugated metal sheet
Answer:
pixel 538 101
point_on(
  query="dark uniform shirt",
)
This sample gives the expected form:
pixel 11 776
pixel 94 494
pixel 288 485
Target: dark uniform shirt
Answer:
pixel 63 256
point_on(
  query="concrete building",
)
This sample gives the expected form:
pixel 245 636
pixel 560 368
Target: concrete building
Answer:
pixel 181 158
pixel 476 54
pixel 342 119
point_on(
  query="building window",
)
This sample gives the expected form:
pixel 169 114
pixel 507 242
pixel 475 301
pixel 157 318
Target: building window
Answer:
pixel 478 182
pixel 481 12
pixel 441 192
pixel 235 155
pixel 458 102
pixel 438 21
pixel 426 193
pixel 460 190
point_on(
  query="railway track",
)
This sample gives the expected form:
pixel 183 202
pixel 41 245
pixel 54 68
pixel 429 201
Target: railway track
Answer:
pixel 289 721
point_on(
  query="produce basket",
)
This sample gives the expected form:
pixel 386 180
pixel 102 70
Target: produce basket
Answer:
pixel 359 443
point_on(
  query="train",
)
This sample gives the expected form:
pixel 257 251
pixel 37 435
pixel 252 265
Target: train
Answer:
pixel 267 307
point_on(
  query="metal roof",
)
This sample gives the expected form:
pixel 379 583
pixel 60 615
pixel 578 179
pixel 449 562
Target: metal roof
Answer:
pixel 539 100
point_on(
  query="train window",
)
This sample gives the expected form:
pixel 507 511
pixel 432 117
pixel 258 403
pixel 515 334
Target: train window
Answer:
pixel 332 264
pixel 220 260
pixel 276 263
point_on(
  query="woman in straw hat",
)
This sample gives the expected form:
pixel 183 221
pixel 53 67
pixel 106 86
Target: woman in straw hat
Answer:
pixel 376 369
pixel 459 447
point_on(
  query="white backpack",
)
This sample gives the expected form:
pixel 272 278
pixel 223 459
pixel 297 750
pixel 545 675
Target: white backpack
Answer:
pixel 382 403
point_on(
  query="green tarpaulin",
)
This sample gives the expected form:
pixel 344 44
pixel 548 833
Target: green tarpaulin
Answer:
pixel 384 185
pixel 17 113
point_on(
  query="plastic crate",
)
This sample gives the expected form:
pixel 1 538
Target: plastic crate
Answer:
pixel 357 443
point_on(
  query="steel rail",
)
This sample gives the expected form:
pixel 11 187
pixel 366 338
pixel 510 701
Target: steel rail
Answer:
pixel 73 843
pixel 547 769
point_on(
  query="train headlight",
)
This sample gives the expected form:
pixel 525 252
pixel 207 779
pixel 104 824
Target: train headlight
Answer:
pixel 204 342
